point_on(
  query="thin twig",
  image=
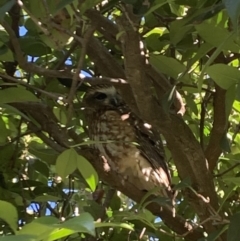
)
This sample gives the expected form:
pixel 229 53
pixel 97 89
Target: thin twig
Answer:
pixel 228 170
pixel 195 227
pixel 62 60
pixel 69 33
pixel 51 95
pixel 34 19
pixel 16 139
pixel 22 61
pixel 75 85
pixel 49 142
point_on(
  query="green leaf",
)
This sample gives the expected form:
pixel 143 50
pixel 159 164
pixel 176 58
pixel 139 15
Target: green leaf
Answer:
pixel 19 238
pixel 6 7
pixel 40 166
pixel 41 227
pixel 229 99
pixel 238 92
pixel 201 52
pixel 46 198
pixel 178 31
pixel 60 114
pixel 216 35
pixel 59 233
pixel 45 154
pixel 6 54
pixel 9 214
pixel 84 224
pixel 87 171
pixel 225 76
pixel 143 215
pixel 4 132
pixel 114 225
pixel 183 184
pixel 233 233
pixel 165 65
pixel 214 235
pixel 66 162
pixel 63 4
pixel 158 5
pixel 33 46
pixel 16 94
pixel 233 9
pixel 13 110
pixel 148 194
pixel 88 4
pixel 234 180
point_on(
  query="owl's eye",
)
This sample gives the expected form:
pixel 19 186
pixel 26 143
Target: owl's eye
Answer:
pixel 100 96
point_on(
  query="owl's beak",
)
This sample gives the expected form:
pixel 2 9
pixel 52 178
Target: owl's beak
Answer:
pixel 115 101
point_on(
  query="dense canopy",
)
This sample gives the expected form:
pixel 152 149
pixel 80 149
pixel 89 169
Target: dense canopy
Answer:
pixel 176 64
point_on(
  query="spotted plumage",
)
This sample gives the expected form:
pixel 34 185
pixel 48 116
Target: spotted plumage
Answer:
pixel 127 144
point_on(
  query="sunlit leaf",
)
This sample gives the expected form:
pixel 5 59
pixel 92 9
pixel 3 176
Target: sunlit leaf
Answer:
pixel 225 76
pixel 87 171
pixel 158 5
pixel 66 162
pixel 41 227
pixel 9 214
pixel 116 225
pixel 217 36
pixel 164 64
pixel 83 223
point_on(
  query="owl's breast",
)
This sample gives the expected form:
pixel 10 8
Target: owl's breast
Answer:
pixel 113 135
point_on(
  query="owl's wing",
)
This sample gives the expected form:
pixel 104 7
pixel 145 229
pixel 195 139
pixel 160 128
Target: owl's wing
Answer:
pixel 150 145
pixel 152 149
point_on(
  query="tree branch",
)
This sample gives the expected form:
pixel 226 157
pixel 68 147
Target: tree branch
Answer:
pixel 134 64
pixel 186 151
pixel 219 128
pixel 30 67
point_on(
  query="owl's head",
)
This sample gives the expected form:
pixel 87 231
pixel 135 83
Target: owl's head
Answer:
pixel 102 97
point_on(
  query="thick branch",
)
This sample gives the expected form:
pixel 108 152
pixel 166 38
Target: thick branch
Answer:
pixel 104 60
pixel 185 149
pixel 134 64
pixel 104 25
pixel 214 150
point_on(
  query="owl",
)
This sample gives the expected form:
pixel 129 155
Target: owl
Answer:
pixel 128 145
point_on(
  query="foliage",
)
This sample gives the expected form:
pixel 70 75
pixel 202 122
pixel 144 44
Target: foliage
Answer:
pixel 182 53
